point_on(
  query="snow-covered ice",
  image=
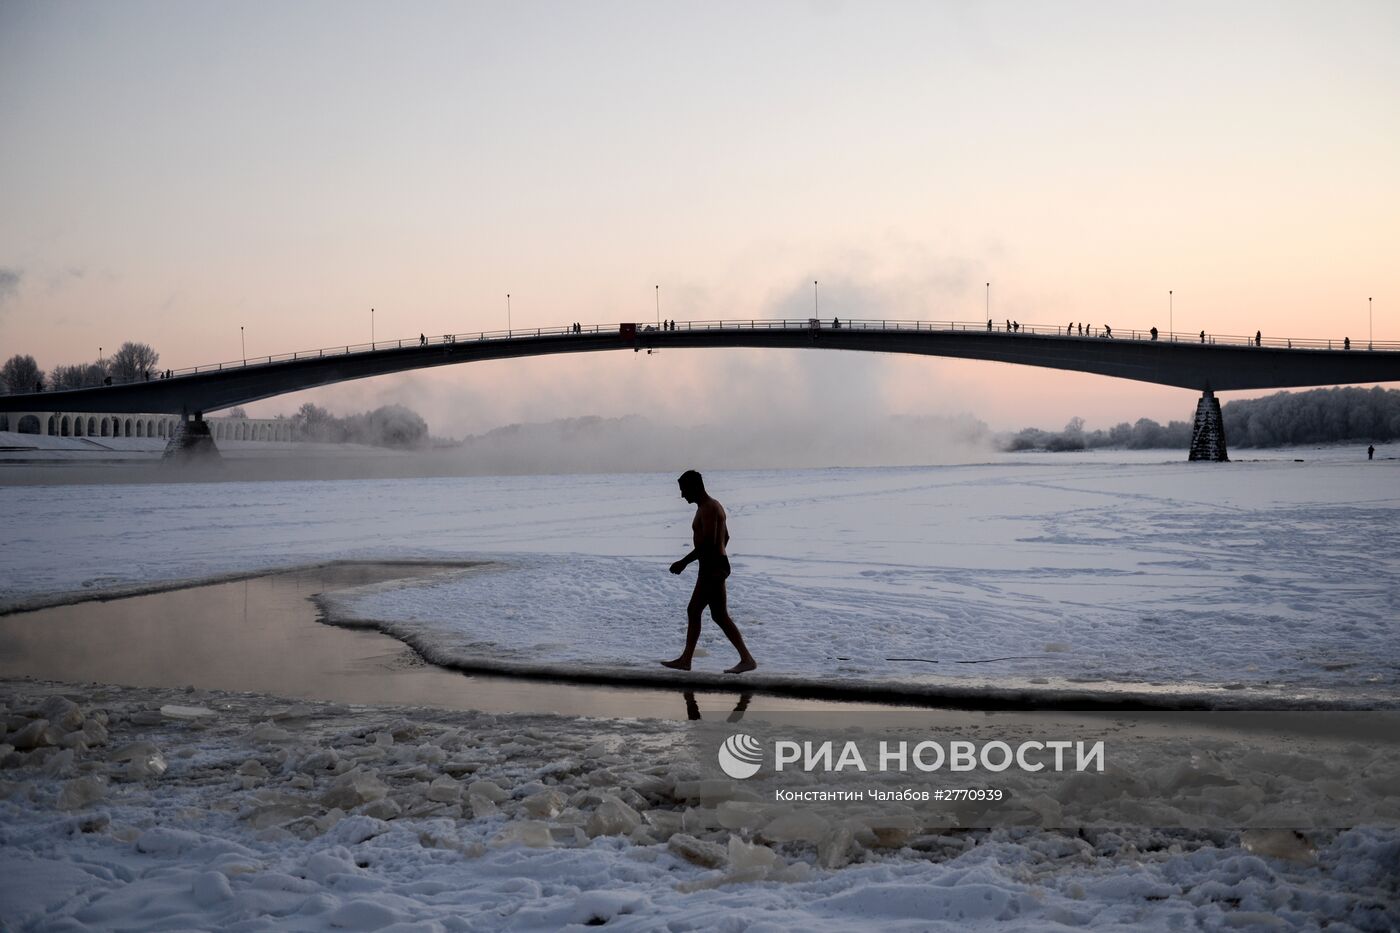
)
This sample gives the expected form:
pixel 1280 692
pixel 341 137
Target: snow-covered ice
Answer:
pixel 154 808
pixel 325 817
pixel 1271 580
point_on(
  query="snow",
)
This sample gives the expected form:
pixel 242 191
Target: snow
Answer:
pixel 155 808
pixel 1267 581
pixel 208 845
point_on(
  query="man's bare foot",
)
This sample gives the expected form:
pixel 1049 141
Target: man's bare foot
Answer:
pixel 679 664
pixel 742 666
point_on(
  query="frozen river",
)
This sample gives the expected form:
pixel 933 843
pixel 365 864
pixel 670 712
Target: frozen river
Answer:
pixel 205 809
pixel 1272 580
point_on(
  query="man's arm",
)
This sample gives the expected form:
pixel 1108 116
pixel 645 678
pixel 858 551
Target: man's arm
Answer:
pixel 680 565
pixel 706 538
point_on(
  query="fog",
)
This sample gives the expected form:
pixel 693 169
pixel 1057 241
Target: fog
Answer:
pixel 639 443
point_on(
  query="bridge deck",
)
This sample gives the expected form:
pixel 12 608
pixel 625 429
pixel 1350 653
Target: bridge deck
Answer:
pixel 1218 363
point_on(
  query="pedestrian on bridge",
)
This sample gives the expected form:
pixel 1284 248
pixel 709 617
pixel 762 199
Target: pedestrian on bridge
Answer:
pixel 1154 333
pixel 1203 336
pixel 1108 332
pixel 1371 452
pixel 1346 343
pixel 1258 338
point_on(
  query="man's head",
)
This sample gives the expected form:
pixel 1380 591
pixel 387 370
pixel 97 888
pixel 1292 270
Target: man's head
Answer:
pixel 692 486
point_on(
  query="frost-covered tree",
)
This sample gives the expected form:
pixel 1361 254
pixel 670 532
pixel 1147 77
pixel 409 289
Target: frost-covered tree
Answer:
pixel 21 373
pixel 78 375
pixel 132 361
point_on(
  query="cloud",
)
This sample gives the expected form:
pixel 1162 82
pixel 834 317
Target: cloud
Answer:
pixel 9 284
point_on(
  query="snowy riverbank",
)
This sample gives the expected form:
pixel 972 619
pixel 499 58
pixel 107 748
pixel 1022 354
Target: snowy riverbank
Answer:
pixel 167 809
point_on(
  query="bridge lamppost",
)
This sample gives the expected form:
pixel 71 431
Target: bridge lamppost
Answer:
pixel 658 307
pixel 507 314
pixel 816 304
pixel 1370 327
pixel 1171 328
pixel 989 301
pixel 371 328
pixel 243 342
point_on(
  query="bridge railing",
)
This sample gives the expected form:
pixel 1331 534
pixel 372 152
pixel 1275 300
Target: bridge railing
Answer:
pixel 1003 328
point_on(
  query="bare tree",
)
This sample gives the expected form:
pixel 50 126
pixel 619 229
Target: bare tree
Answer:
pixel 132 361
pixel 21 373
pixel 78 375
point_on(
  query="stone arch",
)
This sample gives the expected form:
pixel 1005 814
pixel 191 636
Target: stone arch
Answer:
pixel 140 428
pixel 51 426
pixel 27 424
pixel 78 426
pixel 4 422
pixel 65 426
pixel 126 428
pixel 91 426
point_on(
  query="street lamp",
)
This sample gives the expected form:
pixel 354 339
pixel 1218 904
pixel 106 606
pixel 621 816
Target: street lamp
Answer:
pixel 989 301
pixel 1370 327
pixel 658 307
pixel 1170 315
pixel 371 328
pixel 507 314
pixel 243 342
pixel 816 305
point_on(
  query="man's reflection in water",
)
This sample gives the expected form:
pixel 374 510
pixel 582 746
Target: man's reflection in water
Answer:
pixel 692 709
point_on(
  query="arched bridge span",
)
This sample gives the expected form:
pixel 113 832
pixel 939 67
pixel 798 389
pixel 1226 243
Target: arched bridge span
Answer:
pixel 1185 361
pixel 1204 363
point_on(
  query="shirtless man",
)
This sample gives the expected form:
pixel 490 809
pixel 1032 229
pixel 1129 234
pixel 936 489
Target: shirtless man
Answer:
pixel 711 533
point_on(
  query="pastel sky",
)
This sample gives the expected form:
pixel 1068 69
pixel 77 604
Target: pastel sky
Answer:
pixel 173 171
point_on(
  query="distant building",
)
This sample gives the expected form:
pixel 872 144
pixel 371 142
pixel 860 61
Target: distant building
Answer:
pixel 97 424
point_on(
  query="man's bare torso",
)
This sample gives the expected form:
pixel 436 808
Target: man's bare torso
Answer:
pixel 710 529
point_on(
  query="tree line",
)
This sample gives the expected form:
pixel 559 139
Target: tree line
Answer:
pixel 132 362
pixel 1284 419
pixel 386 426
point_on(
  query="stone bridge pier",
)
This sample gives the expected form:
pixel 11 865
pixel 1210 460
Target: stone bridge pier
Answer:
pixel 1208 431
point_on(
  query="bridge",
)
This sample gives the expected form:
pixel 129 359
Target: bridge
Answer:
pixel 1201 362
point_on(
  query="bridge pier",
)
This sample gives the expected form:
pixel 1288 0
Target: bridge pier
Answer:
pixel 191 442
pixel 1208 432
